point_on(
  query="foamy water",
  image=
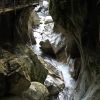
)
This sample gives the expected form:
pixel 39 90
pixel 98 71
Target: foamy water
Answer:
pixel 42 33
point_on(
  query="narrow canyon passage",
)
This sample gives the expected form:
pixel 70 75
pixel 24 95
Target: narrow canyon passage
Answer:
pixel 49 50
pixel 43 32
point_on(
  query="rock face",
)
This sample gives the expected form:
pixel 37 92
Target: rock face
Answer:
pixel 36 91
pixel 54 84
pixel 54 80
pixel 51 69
pixel 18 24
pixel 54 48
pixel 24 25
pixel 18 64
pixel 79 22
pixel 47 47
pixel 18 71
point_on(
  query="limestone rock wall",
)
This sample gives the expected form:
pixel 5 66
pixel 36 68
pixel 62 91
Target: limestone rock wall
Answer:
pixel 79 21
pixel 19 66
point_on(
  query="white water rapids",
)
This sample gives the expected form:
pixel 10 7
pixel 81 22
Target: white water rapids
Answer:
pixel 43 32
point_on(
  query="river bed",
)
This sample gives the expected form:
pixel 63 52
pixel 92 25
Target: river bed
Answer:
pixel 43 32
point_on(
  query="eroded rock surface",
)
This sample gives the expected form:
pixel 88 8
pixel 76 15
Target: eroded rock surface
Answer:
pixel 18 71
pixel 54 84
pixel 79 22
pixel 36 91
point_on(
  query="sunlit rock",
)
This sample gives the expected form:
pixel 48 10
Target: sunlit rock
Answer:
pixel 48 19
pixel 47 47
pixel 16 72
pixel 54 84
pixel 36 91
pixel 52 70
pixel 45 4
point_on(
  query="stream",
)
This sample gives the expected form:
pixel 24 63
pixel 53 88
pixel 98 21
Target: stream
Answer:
pixel 42 32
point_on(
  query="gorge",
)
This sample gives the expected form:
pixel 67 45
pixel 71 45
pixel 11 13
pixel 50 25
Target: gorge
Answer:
pixel 49 50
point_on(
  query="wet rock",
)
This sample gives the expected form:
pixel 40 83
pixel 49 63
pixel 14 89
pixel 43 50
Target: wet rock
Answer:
pixel 15 81
pixel 18 71
pixel 33 68
pixel 55 46
pixel 47 48
pixel 34 18
pixel 45 7
pixel 45 4
pixel 58 42
pixel 48 19
pixel 53 71
pixel 24 26
pixel 54 81
pixel 54 84
pixel 36 91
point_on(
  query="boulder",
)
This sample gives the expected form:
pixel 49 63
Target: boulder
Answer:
pixel 16 72
pixel 47 48
pixel 52 70
pixel 34 69
pixel 54 81
pixel 48 19
pixel 54 45
pixel 58 42
pixel 36 91
pixel 45 4
pixel 54 84
pixel 12 80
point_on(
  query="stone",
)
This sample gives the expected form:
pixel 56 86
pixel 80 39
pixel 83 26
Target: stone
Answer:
pixel 16 72
pixel 54 45
pixel 24 26
pixel 48 19
pixel 45 4
pixel 36 91
pixel 47 48
pixel 11 80
pixel 54 84
pixel 33 68
pixel 52 70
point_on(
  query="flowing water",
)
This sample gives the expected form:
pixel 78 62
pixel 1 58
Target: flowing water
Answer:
pixel 43 32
